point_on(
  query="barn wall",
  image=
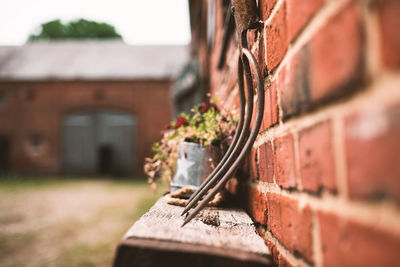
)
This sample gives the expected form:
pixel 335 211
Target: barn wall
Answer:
pixel 322 181
pixel 35 110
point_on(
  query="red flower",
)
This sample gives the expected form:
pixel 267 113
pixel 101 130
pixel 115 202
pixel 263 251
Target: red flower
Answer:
pixel 179 122
pixel 204 107
pixel 167 127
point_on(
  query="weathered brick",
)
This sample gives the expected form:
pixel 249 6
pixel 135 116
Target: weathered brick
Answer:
pixel 274 252
pixel 248 170
pixel 253 170
pixel 276 38
pixel 317 167
pixel 284 162
pixel 253 119
pixel 293 84
pixel 271 107
pixel 232 186
pixel 372 149
pixel 299 14
pixel 389 23
pixel 277 258
pixel 274 105
pixel 346 243
pixel 257 206
pixel 230 78
pixel 266 162
pixel 283 262
pixel 252 36
pixel 336 55
pixel 265 7
pixel 261 54
pixel 291 225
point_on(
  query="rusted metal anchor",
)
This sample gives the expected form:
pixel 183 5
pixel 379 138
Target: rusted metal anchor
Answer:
pixel 245 13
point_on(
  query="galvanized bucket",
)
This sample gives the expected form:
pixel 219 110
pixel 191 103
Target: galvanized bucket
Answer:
pixel 194 164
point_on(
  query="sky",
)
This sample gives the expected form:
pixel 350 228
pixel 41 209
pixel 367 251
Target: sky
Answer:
pixel 139 22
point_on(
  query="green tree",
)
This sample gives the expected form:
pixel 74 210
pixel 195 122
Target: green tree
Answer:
pixel 78 29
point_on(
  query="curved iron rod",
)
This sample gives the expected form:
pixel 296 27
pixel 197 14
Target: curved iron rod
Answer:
pixel 235 140
pixel 250 141
pixel 242 138
pixel 233 144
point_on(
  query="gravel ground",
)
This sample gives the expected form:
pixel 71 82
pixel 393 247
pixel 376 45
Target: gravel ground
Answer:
pixel 67 222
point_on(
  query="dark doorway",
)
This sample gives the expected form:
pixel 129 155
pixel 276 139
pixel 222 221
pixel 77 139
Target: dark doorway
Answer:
pixel 105 159
pixel 99 142
pixel 4 155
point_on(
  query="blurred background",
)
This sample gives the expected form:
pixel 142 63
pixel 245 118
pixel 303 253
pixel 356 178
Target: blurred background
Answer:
pixel 86 87
pixel 84 92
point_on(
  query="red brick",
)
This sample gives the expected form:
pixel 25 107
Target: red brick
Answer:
pixel 389 25
pixel 290 224
pixel 266 7
pixel 266 162
pixel 336 54
pixel 277 258
pixel 253 172
pixel 271 107
pixel 293 86
pixel 230 75
pixel 346 243
pixel 253 119
pixel 283 262
pixel 274 104
pixel 299 14
pixel 252 36
pixel 274 252
pixel 317 167
pixel 257 206
pixel 285 170
pixel 276 38
pixel 372 137
pixel 248 170
pixel 261 54
pixel 232 186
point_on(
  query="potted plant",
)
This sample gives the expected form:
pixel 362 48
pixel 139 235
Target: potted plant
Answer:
pixel 191 147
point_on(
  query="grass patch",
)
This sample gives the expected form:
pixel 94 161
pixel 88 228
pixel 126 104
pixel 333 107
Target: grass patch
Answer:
pixel 17 183
pixel 86 255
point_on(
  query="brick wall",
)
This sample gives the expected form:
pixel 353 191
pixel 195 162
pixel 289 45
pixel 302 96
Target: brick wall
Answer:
pixel 39 108
pixel 323 179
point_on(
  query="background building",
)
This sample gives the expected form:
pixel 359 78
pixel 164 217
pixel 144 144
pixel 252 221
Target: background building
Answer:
pixel 83 107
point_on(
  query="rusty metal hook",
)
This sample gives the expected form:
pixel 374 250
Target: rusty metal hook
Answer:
pixel 240 138
pixel 245 18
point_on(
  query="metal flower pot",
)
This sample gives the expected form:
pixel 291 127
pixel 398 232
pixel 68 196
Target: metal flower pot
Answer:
pixel 194 164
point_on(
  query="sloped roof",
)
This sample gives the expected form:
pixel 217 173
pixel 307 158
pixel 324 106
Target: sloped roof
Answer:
pixel 90 60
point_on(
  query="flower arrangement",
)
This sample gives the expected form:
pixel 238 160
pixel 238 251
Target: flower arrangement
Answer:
pixel 204 125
